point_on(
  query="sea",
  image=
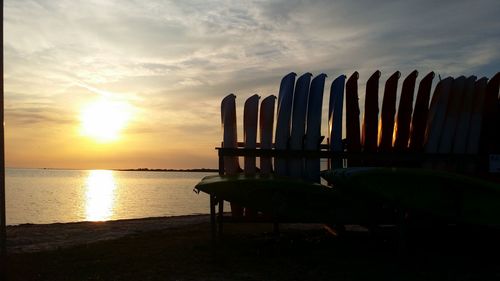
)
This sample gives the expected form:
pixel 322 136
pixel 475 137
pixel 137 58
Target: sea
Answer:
pixel 40 196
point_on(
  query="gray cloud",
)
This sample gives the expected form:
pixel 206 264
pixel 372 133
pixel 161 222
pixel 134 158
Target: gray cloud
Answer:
pixel 27 117
pixel 101 42
pixel 177 59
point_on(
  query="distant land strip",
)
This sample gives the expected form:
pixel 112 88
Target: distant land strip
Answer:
pixel 169 170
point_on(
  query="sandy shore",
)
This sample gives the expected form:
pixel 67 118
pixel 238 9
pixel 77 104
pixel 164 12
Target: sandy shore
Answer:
pixel 26 238
pixel 179 248
pixel 30 238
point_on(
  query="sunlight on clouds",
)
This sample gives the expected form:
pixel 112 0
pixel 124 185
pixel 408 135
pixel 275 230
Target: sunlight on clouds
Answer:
pixel 167 64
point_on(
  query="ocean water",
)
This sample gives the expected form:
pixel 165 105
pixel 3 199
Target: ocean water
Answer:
pixel 50 196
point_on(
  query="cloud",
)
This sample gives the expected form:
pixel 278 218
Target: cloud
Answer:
pixel 181 42
pixel 33 116
pixel 175 60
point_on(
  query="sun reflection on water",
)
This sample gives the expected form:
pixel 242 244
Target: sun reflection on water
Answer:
pixel 100 195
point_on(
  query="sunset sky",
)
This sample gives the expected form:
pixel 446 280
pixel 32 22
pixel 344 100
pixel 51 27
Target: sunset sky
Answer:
pixel 160 68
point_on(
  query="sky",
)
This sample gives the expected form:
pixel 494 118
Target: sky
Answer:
pixel 162 67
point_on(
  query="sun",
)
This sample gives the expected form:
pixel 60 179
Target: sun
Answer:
pixel 104 119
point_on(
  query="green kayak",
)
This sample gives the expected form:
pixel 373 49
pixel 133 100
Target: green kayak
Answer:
pixel 453 197
pixel 289 199
pixel 283 197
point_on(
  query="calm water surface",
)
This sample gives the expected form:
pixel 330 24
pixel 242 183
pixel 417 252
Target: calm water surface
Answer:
pixel 48 196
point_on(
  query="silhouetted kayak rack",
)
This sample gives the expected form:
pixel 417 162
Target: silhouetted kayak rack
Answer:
pixel 446 139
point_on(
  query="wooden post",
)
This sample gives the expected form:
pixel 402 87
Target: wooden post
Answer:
pixel 3 230
pixel 221 162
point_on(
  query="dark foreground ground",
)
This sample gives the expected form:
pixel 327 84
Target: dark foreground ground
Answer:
pixel 252 252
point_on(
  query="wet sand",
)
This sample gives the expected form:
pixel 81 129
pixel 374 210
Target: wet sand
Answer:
pixel 179 248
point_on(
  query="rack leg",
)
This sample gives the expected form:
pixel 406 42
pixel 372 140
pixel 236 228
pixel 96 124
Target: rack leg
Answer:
pixel 402 233
pixel 221 217
pixel 213 222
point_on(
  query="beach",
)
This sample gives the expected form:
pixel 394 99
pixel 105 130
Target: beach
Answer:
pixel 28 238
pixel 180 248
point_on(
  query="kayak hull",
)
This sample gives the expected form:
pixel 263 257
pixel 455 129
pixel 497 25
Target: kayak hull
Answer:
pixel 447 196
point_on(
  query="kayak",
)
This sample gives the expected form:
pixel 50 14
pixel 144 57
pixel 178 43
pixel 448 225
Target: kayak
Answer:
pixel 283 197
pixel 453 197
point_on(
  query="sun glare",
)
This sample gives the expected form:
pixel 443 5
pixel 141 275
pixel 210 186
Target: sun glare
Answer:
pixel 104 119
pixel 100 195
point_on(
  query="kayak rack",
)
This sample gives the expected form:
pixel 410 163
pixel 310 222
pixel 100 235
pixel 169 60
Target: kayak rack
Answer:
pixel 383 159
pixel 427 133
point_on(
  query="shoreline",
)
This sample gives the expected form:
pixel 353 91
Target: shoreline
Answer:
pixel 28 238
pixel 200 170
pixel 189 170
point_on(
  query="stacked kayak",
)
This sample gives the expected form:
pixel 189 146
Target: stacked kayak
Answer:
pixel 281 197
pixel 453 197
